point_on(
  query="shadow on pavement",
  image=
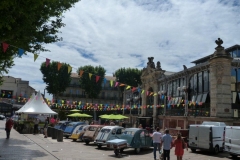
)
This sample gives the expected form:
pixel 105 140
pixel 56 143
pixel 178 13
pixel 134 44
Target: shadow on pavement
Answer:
pixel 219 155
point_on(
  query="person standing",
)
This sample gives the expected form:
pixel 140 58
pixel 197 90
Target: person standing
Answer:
pixel 167 144
pixel 8 127
pixel 179 145
pixel 35 130
pixel 45 128
pixel 157 136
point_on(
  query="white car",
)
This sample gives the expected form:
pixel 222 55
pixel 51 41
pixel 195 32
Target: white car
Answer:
pixel 2 117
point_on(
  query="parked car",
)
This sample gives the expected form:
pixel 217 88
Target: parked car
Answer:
pixel 70 128
pixel 78 132
pixel 2 117
pixel 62 125
pixel 91 133
pixel 108 133
pixel 207 136
pixel 136 138
pixel 232 140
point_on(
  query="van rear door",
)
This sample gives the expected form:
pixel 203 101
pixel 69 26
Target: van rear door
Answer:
pixel 193 136
pixel 235 140
pixel 204 137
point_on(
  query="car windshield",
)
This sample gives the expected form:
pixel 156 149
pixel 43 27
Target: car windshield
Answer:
pixel 128 133
pixel 70 124
pixel 80 128
pixel 105 130
pixel 92 128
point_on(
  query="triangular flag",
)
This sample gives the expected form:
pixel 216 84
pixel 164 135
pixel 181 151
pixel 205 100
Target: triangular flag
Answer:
pixel 69 68
pixel 5 47
pixel 59 65
pixel 139 90
pixel 128 87
pixel 111 83
pixel 133 89
pixel 147 93
pixel 154 94
pixel 47 62
pixel 20 52
pixel 116 84
pixel 122 85
pixel 90 75
pixel 104 80
pixel 142 91
pixel 35 57
pixel 97 78
pixel 81 73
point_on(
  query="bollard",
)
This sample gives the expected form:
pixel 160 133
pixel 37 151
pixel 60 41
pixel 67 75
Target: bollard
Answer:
pixel 54 133
pixel 49 131
pixel 59 135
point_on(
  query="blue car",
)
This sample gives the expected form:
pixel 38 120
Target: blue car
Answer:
pixel 70 128
pixel 62 125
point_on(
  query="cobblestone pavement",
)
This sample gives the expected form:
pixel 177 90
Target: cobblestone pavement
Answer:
pixel 36 147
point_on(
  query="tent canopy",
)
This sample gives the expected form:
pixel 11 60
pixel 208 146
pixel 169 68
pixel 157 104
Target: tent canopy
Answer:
pixel 37 106
pixel 25 106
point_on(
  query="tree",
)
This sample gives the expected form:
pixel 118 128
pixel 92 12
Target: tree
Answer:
pixel 128 76
pixel 29 24
pixel 91 87
pixel 56 80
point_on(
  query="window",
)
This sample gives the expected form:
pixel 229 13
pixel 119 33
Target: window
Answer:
pixel 234 96
pixel 205 81
pixel 195 83
pixel 194 98
pixel 200 82
pixel 204 97
pixel 199 98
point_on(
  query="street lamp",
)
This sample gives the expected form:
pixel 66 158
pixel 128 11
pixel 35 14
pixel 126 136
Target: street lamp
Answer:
pixel 184 89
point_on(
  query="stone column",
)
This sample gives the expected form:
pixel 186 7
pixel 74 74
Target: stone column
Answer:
pixel 155 90
pixel 143 112
pixel 220 82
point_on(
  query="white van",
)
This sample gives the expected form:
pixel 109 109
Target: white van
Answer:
pixel 108 133
pixel 207 136
pixel 232 140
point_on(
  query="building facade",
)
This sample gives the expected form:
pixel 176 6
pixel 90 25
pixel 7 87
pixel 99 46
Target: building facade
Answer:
pixel 208 91
pixel 14 94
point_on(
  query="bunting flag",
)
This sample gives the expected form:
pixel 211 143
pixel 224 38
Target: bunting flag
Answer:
pixel 59 65
pixel 142 91
pixel 111 83
pixel 154 94
pixel 151 94
pixel 90 75
pixel 116 84
pixel 35 56
pixel 147 93
pixel 104 81
pixel 97 78
pixel 20 52
pixel 69 68
pixel 47 62
pixel 122 85
pixel 5 47
pixel 128 87
pixel 133 89
pixel 139 90
pixel 81 73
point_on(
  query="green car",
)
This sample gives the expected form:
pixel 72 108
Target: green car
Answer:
pixel 135 138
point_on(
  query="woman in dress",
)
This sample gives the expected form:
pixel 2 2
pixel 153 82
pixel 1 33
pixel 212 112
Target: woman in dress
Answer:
pixel 179 145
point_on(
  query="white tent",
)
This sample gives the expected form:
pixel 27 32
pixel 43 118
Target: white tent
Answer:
pixel 25 106
pixel 38 106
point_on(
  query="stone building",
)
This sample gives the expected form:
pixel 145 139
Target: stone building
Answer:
pixel 14 94
pixel 208 91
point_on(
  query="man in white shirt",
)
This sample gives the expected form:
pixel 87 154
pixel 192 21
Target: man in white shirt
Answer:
pixel 157 138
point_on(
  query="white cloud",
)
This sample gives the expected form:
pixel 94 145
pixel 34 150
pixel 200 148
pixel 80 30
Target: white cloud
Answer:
pixel 114 32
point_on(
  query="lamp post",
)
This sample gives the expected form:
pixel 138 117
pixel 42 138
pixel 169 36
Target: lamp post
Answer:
pixel 184 89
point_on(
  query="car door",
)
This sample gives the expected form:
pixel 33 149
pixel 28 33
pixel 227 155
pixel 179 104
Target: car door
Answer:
pixel 143 138
pixel 193 136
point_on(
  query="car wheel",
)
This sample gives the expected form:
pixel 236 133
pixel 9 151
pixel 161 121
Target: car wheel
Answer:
pixel 193 150
pixel 216 149
pixel 121 150
pixel 99 146
pixel 137 150
pixel 87 142
pixel 233 155
pixel 74 140
pixel 66 136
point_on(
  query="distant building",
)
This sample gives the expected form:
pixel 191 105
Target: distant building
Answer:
pixel 14 93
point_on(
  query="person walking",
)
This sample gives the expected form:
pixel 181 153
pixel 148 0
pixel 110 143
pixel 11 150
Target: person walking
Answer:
pixel 167 145
pixel 8 127
pixel 157 137
pixel 35 129
pixel 179 145
pixel 45 128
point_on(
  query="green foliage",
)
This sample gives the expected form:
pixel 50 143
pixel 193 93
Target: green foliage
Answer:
pixel 56 80
pixel 90 86
pixel 62 114
pixel 129 76
pixel 28 24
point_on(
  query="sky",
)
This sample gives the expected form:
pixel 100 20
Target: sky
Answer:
pixel 124 33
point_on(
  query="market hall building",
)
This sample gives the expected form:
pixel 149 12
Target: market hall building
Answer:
pixel 208 91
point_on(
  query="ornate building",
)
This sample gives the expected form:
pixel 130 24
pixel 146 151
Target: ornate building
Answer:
pixel 208 91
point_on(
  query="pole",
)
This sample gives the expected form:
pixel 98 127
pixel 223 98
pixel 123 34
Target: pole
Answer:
pixel 186 104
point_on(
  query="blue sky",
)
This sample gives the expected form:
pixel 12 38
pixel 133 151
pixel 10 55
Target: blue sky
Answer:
pixel 124 33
